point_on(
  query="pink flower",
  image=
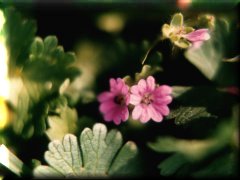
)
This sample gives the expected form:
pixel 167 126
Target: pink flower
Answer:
pixel 197 37
pixel 150 100
pixel 114 103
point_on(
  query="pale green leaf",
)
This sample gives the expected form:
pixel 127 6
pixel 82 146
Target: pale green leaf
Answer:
pixel 64 156
pixel 11 161
pixel 100 154
pixel 209 57
pixel 180 90
pixel 62 123
pixel 47 172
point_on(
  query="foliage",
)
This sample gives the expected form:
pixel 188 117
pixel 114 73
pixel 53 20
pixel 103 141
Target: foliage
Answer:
pixel 37 70
pixel 99 155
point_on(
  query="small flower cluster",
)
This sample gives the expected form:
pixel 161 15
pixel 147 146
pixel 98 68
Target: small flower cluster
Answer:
pixel 183 36
pixel 148 99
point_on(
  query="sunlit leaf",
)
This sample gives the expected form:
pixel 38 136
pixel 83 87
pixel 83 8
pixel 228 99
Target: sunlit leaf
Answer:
pixel 100 154
pixel 63 122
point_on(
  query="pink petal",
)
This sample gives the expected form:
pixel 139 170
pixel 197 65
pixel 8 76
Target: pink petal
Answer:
pixel 151 83
pixel 142 86
pixel 145 116
pixel 163 90
pixel 163 100
pixel 134 89
pixel 124 89
pixel 112 83
pixel 109 116
pixel 124 114
pixel 135 99
pixel 198 35
pixel 127 99
pixel 116 119
pixel 137 111
pixel 107 106
pixel 156 116
pixel 197 44
pixel 164 110
pixel 116 85
pixel 105 96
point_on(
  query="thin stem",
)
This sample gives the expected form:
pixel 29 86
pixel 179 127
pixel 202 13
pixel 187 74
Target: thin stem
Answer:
pixel 149 50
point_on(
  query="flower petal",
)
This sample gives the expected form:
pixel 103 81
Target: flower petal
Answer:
pixel 124 113
pixel 197 44
pixel 117 118
pixel 155 115
pixel 112 83
pixel 145 116
pixel 162 100
pixel 164 110
pixel 137 111
pixel 142 86
pixel 124 89
pixel 198 35
pixel 109 116
pixel 107 106
pixel 163 90
pixel 135 99
pixel 151 83
pixel 134 89
pixel 105 96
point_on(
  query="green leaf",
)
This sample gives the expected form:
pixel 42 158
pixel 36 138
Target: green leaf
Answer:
pixel 209 58
pixel 183 115
pixel 196 149
pixel 100 154
pixel 37 46
pixel 45 75
pixel 64 122
pixel 11 161
pixel 223 166
pixel 49 62
pixel 47 172
pixel 193 150
pixel 180 90
pixel 19 34
pixel 172 164
pixel 177 20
